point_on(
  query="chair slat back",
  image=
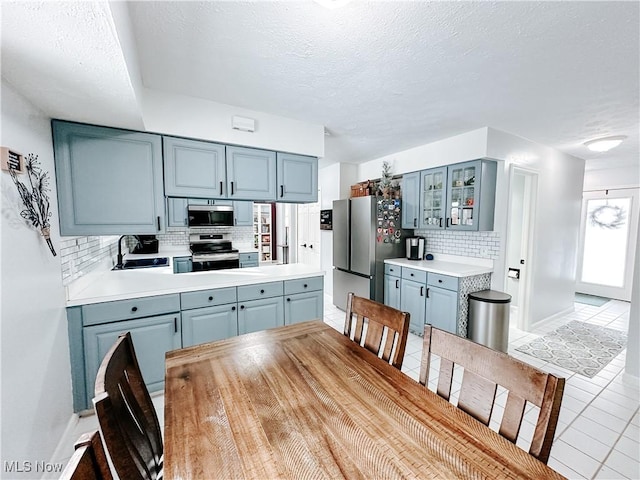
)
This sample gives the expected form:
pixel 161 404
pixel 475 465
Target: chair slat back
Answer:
pixel 127 418
pixel 484 370
pixel 378 320
pixel 88 461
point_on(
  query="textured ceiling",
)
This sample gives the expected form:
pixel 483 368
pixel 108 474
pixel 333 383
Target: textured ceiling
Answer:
pixel 381 76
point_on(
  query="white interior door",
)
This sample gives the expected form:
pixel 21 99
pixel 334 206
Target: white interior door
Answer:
pixel 308 245
pixel 608 243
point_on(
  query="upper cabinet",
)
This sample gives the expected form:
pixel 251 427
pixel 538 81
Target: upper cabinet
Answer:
pixel 251 174
pixel 297 178
pixel 194 168
pixel 410 200
pixel 471 192
pixel 453 197
pixel 433 198
pixel 109 181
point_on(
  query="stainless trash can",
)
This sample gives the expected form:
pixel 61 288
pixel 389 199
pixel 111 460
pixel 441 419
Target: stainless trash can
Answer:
pixel 488 322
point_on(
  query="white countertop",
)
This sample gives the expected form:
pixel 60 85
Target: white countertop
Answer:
pixel 146 282
pixel 447 265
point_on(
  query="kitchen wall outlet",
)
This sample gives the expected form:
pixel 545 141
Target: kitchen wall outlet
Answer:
pixel 484 251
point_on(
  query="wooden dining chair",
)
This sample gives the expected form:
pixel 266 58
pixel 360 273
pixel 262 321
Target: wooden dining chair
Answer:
pixel 484 369
pixel 88 461
pixel 378 319
pixel 128 422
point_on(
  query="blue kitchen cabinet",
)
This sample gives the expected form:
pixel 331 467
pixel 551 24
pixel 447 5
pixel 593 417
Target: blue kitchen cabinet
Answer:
pixel 209 324
pixel 413 291
pixel 182 265
pixel 248 259
pixel 297 178
pixel 109 181
pixel 256 315
pixel 251 174
pixel 392 281
pixel 471 191
pixel 410 200
pixel 303 300
pixel 152 338
pixel 194 168
pixel 433 190
pixel 209 315
pixel 243 214
pixel 177 212
pixel 442 302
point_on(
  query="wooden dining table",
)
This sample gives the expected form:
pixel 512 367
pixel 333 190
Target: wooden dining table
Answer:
pixel 304 401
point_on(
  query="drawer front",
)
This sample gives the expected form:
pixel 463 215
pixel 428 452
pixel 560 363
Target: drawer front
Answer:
pixel 261 290
pixel 249 257
pixel 127 309
pixel 414 275
pixel 393 270
pixel 303 285
pixel 208 298
pixel 443 281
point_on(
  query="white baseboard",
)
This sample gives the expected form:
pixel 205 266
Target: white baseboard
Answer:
pixel 544 321
pixel 66 439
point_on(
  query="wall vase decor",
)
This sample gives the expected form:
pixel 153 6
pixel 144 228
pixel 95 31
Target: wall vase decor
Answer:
pixel 35 197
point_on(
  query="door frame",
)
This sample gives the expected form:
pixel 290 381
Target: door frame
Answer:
pixel 617 293
pixel 529 207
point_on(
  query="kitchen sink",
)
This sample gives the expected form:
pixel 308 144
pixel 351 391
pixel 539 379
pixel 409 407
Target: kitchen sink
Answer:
pixel 143 263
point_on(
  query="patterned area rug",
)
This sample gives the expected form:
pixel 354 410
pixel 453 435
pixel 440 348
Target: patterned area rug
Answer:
pixel 578 346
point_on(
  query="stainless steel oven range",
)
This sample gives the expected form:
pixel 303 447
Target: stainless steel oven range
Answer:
pixel 212 251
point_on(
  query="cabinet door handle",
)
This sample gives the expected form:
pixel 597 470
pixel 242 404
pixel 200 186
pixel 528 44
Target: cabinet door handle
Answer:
pixel 175 324
pixel 233 309
pixel 210 298
pixel 440 222
pixel 304 286
pixel 288 299
pixel 415 222
pixel 397 286
pixel 134 309
pixel 231 188
pixel 261 291
pixel 220 188
pixel 439 281
pixel 281 191
pixel 427 292
pixel 447 221
pixel 241 307
pixel 158 220
pixel 421 291
pixel 310 245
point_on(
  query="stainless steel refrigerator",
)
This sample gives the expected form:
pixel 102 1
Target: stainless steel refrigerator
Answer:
pixel 366 230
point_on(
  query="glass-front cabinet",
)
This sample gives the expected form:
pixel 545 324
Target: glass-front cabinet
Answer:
pixel 471 195
pixel 433 200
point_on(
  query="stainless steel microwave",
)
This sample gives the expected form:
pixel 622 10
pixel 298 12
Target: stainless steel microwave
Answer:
pixel 210 215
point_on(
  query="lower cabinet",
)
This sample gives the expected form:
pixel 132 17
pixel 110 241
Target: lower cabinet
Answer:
pixel 152 338
pixel 168 322
pixel 301 307
pixel 209 324
pixel 442 308
pixel 392 290
pixel 412 300
pixel 260 314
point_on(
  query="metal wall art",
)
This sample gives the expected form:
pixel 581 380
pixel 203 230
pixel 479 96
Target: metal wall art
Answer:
pixel 35 197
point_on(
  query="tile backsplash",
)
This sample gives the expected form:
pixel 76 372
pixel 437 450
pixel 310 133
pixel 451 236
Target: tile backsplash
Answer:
pixel 468 244
pixel 82 255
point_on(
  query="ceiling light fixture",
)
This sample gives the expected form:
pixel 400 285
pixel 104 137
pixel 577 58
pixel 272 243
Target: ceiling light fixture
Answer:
pixel 604 144
pixel 331 4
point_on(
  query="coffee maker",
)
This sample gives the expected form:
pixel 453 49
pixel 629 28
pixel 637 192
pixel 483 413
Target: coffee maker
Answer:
pixel 415 248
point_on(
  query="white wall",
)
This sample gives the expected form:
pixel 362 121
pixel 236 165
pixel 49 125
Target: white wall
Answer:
pixel 627 177
pixel 198 118
pixel 633 337
pixel 556 223
pixel 36 375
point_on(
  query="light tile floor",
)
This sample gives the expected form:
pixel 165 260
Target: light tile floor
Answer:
pixel 598 434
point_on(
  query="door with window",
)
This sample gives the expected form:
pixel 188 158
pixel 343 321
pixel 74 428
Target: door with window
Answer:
pixel 309 234
pixel 608 243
